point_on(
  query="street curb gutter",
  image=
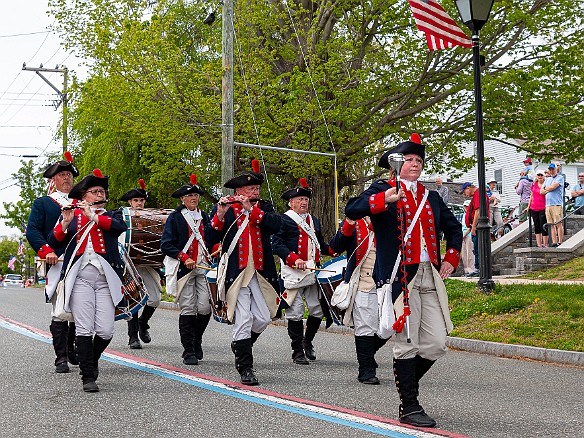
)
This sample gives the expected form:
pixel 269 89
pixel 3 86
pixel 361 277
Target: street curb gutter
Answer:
pixel 472 345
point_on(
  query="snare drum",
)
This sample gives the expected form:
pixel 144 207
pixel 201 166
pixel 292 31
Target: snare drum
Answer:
pixel 217 306
pixel 142 238
pixel 329 281
pixel 135 295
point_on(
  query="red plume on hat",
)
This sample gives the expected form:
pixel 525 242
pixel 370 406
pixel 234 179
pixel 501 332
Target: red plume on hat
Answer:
pixel 255 166
pixel 415 138
pixel 97 172
pixel 142 184
pixel 193 179
pixel 303 183
pixel 68 157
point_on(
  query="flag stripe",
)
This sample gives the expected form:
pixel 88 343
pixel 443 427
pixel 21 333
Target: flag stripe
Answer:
pixel 441 30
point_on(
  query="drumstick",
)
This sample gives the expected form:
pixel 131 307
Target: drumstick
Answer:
pixel 205 267
pixel 215 253
pixel 319 269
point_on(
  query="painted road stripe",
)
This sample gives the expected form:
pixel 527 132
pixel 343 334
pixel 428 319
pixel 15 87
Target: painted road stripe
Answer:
pixel 308 408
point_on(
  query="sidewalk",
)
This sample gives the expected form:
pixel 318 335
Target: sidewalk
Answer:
pixel 502 279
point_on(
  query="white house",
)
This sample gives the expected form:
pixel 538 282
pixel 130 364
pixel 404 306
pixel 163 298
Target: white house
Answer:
pixel 504 162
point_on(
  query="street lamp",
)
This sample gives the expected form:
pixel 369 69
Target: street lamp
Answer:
pixel 474 14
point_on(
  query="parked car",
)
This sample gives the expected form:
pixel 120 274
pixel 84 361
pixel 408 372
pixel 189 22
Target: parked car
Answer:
pixel 510 221
pixel 13 280
pixel 458 211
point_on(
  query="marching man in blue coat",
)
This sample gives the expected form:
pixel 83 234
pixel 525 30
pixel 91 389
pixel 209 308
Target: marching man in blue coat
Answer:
pixel 247 280
pixel 299 244
pixel 183 243
pixel 408 222
pixel 44 215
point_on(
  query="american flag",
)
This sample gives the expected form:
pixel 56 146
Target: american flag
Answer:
pixel 11 262
pixel 441 31
pixel 23 226
pixel 51 187
pixel 20 248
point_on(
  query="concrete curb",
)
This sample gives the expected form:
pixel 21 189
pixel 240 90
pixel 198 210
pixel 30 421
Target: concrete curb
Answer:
pixel 471 345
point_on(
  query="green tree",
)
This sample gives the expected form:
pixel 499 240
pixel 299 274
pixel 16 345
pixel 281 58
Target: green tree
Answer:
pixel 152 105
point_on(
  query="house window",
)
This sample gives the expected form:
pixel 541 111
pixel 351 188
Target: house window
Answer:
pixel 499 178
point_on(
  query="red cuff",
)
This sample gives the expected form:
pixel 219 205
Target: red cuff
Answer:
pixel 104 222
pixel 216 223
pixel 292 257
pixel 331 252
pixel 45 249
pixel 348 229
pixel 256 215
pixel 377 203
pixel 59 234
pixel 452 256
pixel 183 257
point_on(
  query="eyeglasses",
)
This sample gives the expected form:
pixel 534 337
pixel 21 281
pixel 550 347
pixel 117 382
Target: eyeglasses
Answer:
pixel 580 176
pixel 96 192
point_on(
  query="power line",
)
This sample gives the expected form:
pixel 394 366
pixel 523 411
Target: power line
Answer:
pixel 25 34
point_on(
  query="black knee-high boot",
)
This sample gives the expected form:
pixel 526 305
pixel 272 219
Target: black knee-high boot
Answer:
pixel 296 333
pixel 365 348
pixel 200 326
pixel 59 331
pixel 133 328
pixel 379 342
pixel 410 411
pixel 312 326
pixel 99 346
pixel 244 361
pixel 86 363
pixel 71 353
pixel 186 328
pixel 254 337
pixel 143 326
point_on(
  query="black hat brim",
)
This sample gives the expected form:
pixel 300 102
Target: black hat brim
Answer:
pixel 60 166
pixel 134 193
pixel 296 192
pixel 247 178
pixel 187 189
pixel 407 147
pixel 86 183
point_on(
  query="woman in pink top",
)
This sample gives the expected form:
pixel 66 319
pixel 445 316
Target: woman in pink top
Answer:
pixel 536 208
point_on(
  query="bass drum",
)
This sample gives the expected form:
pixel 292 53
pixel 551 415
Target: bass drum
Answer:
pixel 142 238
pixel 328 279
pixel 217 306
pixel 135 295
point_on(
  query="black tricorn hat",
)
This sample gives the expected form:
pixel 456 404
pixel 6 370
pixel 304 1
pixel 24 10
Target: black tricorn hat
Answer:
pixel 301 189
pixel 94 179
pixel 412 146
pixel 188 188
pixel 247 177
pixel 136 193
pixel 61 166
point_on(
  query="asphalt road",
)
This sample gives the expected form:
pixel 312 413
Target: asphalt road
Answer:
pixel 149 392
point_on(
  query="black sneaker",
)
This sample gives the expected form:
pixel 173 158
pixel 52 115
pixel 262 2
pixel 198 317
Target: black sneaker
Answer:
pixel 191 359
pixel 135 344
pixel 248 377
pixel 90 387
pixel 62 368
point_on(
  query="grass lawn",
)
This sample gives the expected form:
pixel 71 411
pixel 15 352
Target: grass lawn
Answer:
pixel 546 315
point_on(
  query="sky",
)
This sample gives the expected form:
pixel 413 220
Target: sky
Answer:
pixel 28 120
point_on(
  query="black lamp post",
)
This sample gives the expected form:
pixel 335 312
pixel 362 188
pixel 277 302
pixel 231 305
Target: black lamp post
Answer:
pixel 474 14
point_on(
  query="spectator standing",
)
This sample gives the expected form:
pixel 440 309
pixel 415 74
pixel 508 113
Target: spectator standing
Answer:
pixel 528 169
pixel 553 190
pixel 495 218
pixel 578 194
pixel 471 220
pixel 536 207
pixel 523 189
pixel 442 190
pixel 466 253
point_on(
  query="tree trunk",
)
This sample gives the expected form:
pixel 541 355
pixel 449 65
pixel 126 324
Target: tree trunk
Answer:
pixel 322 205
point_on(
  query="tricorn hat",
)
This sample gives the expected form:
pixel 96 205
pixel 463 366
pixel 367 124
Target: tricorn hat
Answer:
pixel 247 177
pixel 136 193
pixel 412 146
pixel 186 189
pixel 94 179
pixel 61 166
pixel 301 189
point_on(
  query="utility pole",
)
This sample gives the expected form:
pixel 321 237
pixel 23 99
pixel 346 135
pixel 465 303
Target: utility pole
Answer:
pixel 62 94
pixel 227 153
